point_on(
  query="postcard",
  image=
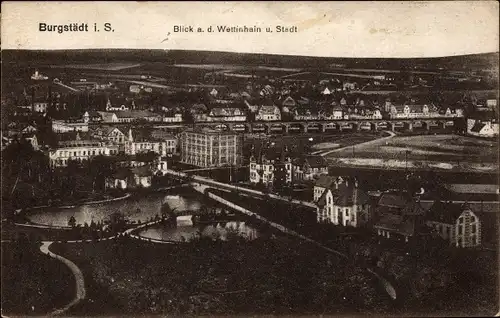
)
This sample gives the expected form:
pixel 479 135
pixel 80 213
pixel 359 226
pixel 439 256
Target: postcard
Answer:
pixel 250 158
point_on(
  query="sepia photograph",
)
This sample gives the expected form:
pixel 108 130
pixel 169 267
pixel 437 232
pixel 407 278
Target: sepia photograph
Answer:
pixel 173 159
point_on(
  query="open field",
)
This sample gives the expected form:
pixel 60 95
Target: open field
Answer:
pixel 312 142
pixel 103 66
pixel 431 151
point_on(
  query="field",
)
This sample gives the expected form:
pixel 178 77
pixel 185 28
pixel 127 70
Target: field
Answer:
pixel 312 142
pixel 103 66
pixel 432 151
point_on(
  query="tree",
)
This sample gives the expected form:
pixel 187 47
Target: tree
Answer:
pixel 72 221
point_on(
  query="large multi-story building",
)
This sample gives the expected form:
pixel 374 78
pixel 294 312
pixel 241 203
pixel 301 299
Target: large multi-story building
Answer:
pixel 80 150
pixel 271 170
pixel 210 148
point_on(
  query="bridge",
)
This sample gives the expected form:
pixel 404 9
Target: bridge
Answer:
pixel 198 180
pixel 316 125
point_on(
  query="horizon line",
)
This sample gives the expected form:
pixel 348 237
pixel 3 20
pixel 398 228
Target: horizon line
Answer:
pixel 250 53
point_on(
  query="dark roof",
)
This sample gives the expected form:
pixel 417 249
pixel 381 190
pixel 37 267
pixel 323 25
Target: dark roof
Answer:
pixel 312 160
pixel 316 161
pixel 122 174
pixel 348 195
pixel 135 114
pixel 325 181
pixel 446 212
pixel 163 135
pixel 396 223
pixel 477 127
pixel 393 200
pixel 413 208
pixel 142 171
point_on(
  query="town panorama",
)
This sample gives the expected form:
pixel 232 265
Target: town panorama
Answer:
pixel 152 182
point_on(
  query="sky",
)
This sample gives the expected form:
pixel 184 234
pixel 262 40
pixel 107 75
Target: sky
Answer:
pixel 330 29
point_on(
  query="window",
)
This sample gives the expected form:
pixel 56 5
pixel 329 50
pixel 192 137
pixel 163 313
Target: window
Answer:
pixel 473 228
pixel 461 220
pixel 460 229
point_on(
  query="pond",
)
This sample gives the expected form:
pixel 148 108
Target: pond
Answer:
pixel 136 208
pixel 186 230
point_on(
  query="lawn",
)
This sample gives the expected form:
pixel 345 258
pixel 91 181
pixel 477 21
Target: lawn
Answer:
pixel 32 282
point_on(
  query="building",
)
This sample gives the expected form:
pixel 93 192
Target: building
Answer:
pixel 141 141
pixel 252 108
pixel 230 114
pixel 114 135
pixel 307 114
pixel 455 223
pixel 210 148
pixel 175 118
pixel 92 117
pixel 399 217
pixel 289 102
pixel 79 150
pixel 337 111
pixel 61 126
pixel 38 76
pixel 110 107
pixel 268 113
pixel 344 204
pixel 272 169
pixel 325 182
pixel 309 167
pixel 413 111
pixel 137 115
pixel 485 129
pixel 40 107
pixel 131 178
pixel 108 117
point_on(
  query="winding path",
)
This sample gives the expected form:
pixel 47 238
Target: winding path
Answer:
pixel 77 273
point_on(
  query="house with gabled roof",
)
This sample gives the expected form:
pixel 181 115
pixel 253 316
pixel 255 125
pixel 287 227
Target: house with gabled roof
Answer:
pixel 455 223
pixel 399 216
pixel 309 167
pixel 268 112
pixel 289 102
pixel 344 204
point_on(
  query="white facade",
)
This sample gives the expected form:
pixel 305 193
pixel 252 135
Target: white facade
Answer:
pixel 210 148
pixel 161 147
pixel 59 126
pixel 268 113
pixel 340 211
pixel 177 118
pixel 264 172
pixel 464 232
pixel 79 152
pixel 40 107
